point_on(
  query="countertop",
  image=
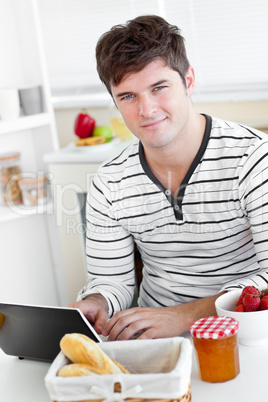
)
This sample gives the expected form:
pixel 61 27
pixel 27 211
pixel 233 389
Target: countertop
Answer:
pixel 23 380
pixel 90 154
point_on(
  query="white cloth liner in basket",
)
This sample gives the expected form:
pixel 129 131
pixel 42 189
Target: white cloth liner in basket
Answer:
pixel 160 368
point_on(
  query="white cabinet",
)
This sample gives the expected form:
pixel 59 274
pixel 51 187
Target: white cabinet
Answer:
pixel 72 170
pixel 70 180
pixel 31 264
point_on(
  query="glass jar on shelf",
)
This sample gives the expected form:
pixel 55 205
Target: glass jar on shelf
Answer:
pixel 33 189
pixel 10 173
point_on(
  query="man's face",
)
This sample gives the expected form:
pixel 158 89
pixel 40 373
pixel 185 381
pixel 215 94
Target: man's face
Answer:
pixel 154 103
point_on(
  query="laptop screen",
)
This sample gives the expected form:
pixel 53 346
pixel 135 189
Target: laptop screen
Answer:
pixel 34 332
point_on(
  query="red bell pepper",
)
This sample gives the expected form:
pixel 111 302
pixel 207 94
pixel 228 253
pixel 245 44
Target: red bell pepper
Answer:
pixel 84 125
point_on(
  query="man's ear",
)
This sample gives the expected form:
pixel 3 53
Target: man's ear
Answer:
pixel 190 81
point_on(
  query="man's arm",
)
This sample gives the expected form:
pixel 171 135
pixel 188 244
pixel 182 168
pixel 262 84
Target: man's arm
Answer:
pixel 253 195
pixel 158 322
pixel 109 250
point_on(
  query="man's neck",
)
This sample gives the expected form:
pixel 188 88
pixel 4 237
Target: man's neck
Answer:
pixel 170 164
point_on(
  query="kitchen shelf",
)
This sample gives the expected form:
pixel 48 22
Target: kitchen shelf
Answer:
pixel 37 263
pixel 24 123
pixel 15 212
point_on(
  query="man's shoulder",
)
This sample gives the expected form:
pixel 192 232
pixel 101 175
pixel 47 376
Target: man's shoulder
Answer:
pixel 236 130
pixel 130 153
pixel 127 162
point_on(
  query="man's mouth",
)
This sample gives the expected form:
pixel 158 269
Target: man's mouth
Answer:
pixel 153 124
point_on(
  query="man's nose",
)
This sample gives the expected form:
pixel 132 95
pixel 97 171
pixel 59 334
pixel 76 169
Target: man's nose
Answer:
pixel 147 107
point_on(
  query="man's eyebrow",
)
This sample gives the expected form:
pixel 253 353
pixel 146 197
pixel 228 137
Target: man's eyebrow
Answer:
pixel 160 82
pixel 122 94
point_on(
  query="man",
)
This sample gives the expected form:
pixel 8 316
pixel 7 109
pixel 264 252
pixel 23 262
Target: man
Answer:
pixel 190 192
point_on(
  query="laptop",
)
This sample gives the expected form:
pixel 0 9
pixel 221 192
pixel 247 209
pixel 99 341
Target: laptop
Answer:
pixel 34 332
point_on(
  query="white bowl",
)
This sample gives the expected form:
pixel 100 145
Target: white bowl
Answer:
pixel 253 326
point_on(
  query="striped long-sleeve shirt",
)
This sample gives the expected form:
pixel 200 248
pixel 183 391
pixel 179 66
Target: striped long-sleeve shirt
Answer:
pixel 213 237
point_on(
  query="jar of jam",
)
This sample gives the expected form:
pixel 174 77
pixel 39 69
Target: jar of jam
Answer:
pixel 215 341
pixel 9 178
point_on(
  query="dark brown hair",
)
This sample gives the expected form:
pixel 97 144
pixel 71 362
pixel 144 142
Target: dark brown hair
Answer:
pixel 131 47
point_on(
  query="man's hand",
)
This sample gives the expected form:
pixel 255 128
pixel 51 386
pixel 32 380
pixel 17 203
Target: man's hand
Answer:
pixel 158 322
pixel 95 309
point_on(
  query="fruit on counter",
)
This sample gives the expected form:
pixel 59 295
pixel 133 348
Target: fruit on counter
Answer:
pixel 252 299
pixel 103 131
pixel 120 129
pixel 90 141
pixel 84 125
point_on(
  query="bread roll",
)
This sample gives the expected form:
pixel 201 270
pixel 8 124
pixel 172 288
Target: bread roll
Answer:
pixel 81 349
pixel 76 369
pixel 122 368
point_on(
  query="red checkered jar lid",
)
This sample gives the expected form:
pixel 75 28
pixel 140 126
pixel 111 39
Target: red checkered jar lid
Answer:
pixel 214 327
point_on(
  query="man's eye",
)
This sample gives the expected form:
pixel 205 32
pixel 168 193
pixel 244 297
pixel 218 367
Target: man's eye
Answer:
pixel 127 97
pixel 159 88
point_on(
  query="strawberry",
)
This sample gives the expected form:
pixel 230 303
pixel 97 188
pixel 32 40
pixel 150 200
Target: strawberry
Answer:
pixel 251 302
pixel 264 303
pixel 247 289
pixel 264 293
pixel 251 290
pixel 240 308
pixel 240 300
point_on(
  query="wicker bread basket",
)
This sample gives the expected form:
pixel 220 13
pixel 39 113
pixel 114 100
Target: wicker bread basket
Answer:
pixel 160 371
pixel 117 388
